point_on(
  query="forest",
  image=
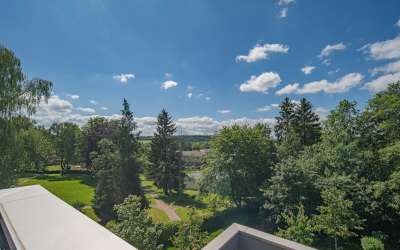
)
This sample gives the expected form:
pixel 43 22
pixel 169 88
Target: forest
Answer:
pixel 330 184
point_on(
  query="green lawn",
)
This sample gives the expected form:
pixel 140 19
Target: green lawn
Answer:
pixel 72 189
pixel 158 216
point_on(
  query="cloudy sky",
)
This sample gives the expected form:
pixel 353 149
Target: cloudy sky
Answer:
pixel 209 63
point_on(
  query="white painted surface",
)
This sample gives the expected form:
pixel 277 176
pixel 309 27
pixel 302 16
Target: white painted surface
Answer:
pixel 38 220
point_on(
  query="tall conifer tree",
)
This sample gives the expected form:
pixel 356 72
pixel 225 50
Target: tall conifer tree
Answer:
pixel 128 174
pixel 165 167
pixel 306 123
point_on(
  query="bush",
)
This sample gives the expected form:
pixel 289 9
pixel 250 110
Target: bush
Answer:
pixel 189 237
pixel 370 243
pixel 168 232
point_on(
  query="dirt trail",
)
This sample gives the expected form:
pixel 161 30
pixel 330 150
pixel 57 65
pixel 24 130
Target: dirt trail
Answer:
pixel 159 204
pixel 170 211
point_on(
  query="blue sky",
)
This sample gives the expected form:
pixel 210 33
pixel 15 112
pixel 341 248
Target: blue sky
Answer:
pixel 209 63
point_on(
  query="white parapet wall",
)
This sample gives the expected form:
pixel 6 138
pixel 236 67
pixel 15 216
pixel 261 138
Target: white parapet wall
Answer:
pixel 35 219
pixel 239 237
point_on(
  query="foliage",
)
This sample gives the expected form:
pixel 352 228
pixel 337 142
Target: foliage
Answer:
pixel 216 202
pixel 214 181
pixel 65 139
pixel 336 216
pixel 307 123
pixel 285 120
pixel 245 155
pixel 93 131
pixel 189 237
pixel 17 95
pixel 106 162
pixel 165 161
pixel 127 174
pixel 299 227
pixel 135 226
pixel 297 126
pixel 370 243
pixel 16 92
pixel 38 148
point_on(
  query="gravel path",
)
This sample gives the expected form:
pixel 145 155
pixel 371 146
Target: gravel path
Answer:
pixel 170 211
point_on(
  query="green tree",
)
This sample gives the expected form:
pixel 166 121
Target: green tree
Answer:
pixel 299 227
pixel 106 162
pixel 66 140
pixel 245 156
pixel 307 123
pixel 165 160
pixel 96 129
pixel 38 148
pixel 371 243
pixel 189 237
pixel 286 118
pixel 16 94
pixel 127 175
pixel 336 217
pixel 293 181
pixel 135 225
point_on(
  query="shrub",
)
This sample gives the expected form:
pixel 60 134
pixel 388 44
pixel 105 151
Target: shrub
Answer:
pixel 168 232
pixel 370 243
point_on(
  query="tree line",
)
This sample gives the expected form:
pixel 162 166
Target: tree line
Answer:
pixel 338 178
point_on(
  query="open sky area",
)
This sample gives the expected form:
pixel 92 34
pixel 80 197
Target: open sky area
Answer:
pixel 209 63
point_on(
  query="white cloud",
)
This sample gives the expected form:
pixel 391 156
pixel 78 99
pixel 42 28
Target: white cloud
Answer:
pixel 124 78
pixel 93 102
pixel 398 23
pixel 389 49
pixel 189 95
pixel 224 111
pixel 168 75
pixel 259 52
pixel 326 61
pixel 331 48
pixel 59 110
pixel 261 83
pixel 331 72
pixel 382 82
pixel 284 12
pixel 339 86
pixel 391 73
pixel 169 84
pixel 73 97
pixel 207 98
pixel 103 108
pixel 288 89
pixel 268 107
pixel 285 2
pixel 393 67
pixel 86 110
pixel 308 70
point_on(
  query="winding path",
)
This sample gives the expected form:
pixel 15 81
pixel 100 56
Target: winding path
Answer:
pixel 167 209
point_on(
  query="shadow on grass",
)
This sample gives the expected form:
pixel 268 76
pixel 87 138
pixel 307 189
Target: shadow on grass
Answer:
pixel 182 199
pixel 83 177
